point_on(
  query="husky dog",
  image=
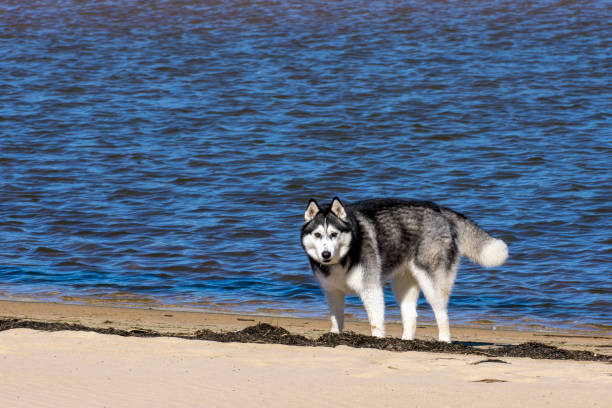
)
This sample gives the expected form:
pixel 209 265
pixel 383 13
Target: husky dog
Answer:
pixel 415 244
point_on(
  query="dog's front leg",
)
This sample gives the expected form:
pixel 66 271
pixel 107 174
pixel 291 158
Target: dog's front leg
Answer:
pixel 373 300
pixel 335 300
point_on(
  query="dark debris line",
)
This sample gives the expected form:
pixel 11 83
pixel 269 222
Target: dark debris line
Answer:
pixel 266 333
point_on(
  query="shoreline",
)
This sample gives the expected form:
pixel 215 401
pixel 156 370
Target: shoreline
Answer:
pixel 168 321
pixel 426 318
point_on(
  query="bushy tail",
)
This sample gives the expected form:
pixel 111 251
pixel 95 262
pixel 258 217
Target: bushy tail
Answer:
pixel 475 243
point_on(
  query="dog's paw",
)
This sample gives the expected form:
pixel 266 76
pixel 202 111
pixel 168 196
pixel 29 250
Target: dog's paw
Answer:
pixel 378 332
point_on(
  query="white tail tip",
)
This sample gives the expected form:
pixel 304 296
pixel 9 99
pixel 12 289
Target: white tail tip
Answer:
pixel 494 253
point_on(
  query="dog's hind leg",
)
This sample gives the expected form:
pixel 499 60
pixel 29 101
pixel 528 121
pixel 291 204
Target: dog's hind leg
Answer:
pixel 406 290
pixel 437 293
pixel 335 300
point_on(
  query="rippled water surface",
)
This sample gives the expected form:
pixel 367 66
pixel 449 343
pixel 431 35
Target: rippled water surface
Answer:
pixel 163 152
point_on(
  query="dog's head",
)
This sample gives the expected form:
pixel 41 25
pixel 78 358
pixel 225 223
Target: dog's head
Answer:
pixel 326 233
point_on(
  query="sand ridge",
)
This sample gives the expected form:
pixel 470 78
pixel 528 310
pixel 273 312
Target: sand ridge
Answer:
pixel 174 321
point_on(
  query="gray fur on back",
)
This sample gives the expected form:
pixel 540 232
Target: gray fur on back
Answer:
pixel 433 237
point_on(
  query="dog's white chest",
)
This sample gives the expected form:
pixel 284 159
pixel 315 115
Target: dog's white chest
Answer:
pixel 339 278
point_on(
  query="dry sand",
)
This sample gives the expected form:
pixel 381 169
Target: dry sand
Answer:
pixel 84 369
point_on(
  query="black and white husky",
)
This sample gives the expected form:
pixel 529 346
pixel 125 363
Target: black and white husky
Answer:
pixel 416 244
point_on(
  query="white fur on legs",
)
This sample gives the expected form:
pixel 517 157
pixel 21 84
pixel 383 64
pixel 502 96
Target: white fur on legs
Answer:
pixel 443 326
pixel 335 300
pixel 406 290
pixel 374 302
pixel 437 296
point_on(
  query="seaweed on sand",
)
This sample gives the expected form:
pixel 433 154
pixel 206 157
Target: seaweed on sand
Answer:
pixel 268 334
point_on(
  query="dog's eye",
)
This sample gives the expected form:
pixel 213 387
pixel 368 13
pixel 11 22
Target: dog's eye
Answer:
pixel 333 234
pixel 317 235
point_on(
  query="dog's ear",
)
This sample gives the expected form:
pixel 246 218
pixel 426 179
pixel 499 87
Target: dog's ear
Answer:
pixel 338 209
pixel 311 210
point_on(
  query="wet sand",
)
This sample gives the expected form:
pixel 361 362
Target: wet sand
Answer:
pixel 173 321
pixel 77 368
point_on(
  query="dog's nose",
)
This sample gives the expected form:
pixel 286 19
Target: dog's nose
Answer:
pixel 326 254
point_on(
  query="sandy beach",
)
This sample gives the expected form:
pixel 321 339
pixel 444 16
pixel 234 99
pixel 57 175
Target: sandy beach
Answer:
pixel 78 368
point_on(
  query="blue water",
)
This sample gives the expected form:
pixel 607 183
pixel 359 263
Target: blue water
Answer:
pixel 161 154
